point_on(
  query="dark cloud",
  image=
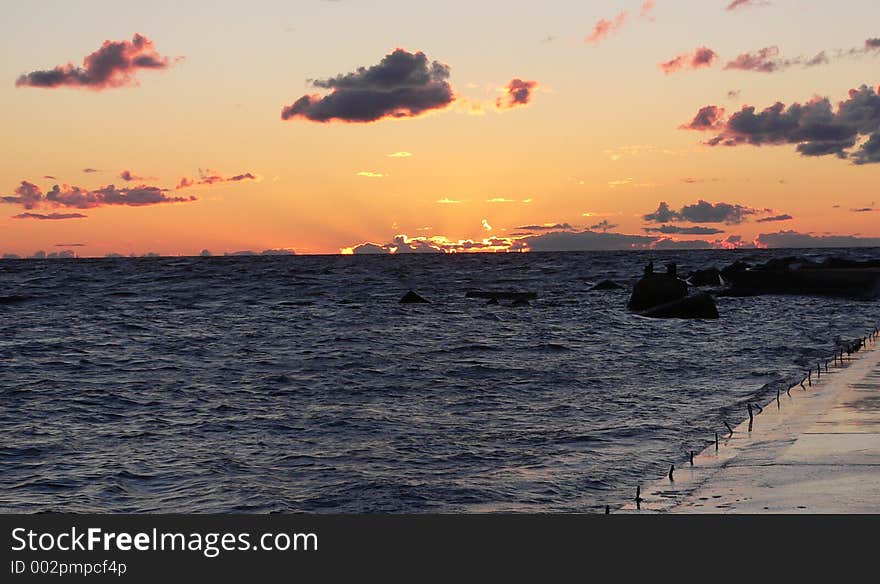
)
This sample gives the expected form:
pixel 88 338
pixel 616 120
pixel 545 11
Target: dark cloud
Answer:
pixel 667 243
pixel 30 196
pixel 603 225
pixel 734 94
pixel 210 177
pixel 519 93
pixel 767 60
pixel 793 239
pixel 675 230
pixel 775 218
pixel 872 44
pixel 708 118
pixel 864 210
pixel 698 59
pixel 115 64
pixel 546 227
pixel 701 212
pixel 586 241
pixel 70 245
pixel 27 194
pixel 129 176
pixel 50 216
pixel 402 85
pixel 814 127
pixel 90 170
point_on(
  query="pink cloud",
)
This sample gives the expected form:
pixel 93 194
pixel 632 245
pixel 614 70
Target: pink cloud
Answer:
pixel 605 28
pixel 700 58
pixel 115 64
pixel 210 177
pixel 519 93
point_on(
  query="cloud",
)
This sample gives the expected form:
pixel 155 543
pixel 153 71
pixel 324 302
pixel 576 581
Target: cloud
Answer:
pixel 872 44
pixel 30 196
pixel 501 200
pixel 211 177
pixel 519 93
pixel 485 225
pixel 775 218
pixel 605 28
pixel 646 9
pixel 402 85
pixel 585 241
pixel 115 64
pixel 675 230
pixel 603 226
pixel 737 4
pixel 668 243
pixel 90 170
pixel 794 239
pixel 766 60
pixel 50 216
pixel 27 194
pixel 401 154
pixel 448 201
pixel 700 58
pixel 701 212
pixel 369 174
pixel 129 176
pixel 815 128
pixel 403 244
pixel 545 227
pixel 734 94
pixel 710 117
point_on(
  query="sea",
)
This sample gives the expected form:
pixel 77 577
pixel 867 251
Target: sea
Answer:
pixel 265 384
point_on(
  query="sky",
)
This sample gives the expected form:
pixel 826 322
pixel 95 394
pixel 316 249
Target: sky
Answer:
pixel 356 126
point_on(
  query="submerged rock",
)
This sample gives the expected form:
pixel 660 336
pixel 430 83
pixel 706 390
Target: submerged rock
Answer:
pixel 697 306
pixel 412 298
pixel 607 285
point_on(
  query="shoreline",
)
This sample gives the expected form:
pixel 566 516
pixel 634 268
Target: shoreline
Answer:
pixel 816 450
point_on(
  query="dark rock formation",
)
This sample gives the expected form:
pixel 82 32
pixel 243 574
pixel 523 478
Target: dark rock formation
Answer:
pixel 412 298
pixel 801 276
pixel 656 289
pixel 710 277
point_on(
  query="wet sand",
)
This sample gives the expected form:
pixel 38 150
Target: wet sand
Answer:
pixel 816 451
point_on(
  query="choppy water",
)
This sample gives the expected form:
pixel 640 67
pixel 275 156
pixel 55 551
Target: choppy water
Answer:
pixel 260 384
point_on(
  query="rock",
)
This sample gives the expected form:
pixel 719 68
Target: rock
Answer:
pixel 520 302
pixel 697 306
pixel 412 298
pixel 656 289
pixel 710 277
pixel 843 282
pixel 607 285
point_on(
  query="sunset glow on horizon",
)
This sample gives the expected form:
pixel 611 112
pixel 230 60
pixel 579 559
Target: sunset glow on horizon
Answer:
pixel 352 127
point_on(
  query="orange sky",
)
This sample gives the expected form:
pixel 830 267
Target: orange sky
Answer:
pixel 595 137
